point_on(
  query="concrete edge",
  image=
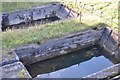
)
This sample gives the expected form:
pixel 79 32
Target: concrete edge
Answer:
pixel 15 70
pixel 106 73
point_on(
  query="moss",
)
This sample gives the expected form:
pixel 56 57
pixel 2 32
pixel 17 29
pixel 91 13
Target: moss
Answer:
pixel 7 56
pixel 21 74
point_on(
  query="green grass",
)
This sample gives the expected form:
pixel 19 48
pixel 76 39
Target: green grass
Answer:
pixel 15 38
pixel 12 6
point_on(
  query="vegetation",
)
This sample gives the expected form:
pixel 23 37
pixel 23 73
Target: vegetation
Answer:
pixel 105 12
pixel 14 38
pixel 37 33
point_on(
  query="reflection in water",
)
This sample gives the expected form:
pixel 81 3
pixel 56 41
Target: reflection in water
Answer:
pixel 74 65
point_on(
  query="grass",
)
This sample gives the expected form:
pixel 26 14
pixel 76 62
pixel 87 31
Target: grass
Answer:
pixel 109 9
pixel 15 38
pixel 20 37
pixel 12 6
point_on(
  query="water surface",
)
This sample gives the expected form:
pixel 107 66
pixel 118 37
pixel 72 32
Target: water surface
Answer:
pixel 74 65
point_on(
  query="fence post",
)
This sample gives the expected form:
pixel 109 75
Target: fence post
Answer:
pixel 101 16
pixel 84 6
pixel 112 20
pixel 75 2
pixel 92 9
pixel 80 17
pixel 69 13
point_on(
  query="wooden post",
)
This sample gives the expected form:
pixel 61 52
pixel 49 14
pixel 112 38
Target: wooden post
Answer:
pixel 92 9
pixel 80 17
pixel 84 6
pixel 101 16
pixel 75 2
pixel 112 20
pixel 69 13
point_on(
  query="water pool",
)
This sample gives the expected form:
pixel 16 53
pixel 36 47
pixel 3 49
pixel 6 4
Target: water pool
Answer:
pixel 74 65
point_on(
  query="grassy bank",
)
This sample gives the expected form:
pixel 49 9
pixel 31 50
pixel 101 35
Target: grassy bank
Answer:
pixel 14 38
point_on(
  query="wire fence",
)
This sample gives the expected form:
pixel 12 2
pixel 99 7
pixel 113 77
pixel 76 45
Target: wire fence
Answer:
pixel 95 9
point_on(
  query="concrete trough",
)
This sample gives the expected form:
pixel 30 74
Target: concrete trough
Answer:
pixel 36 15
pixel 59 47
pixel 13 64
pixel 103 37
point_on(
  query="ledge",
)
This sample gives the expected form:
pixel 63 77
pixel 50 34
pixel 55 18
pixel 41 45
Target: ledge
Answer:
pixel 106 73
pixel 8 58
pixel 15 70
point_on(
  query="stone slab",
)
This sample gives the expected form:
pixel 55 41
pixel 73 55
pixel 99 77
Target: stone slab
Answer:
pixel 15 70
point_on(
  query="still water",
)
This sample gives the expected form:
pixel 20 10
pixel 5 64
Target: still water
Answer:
pixel 74 65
